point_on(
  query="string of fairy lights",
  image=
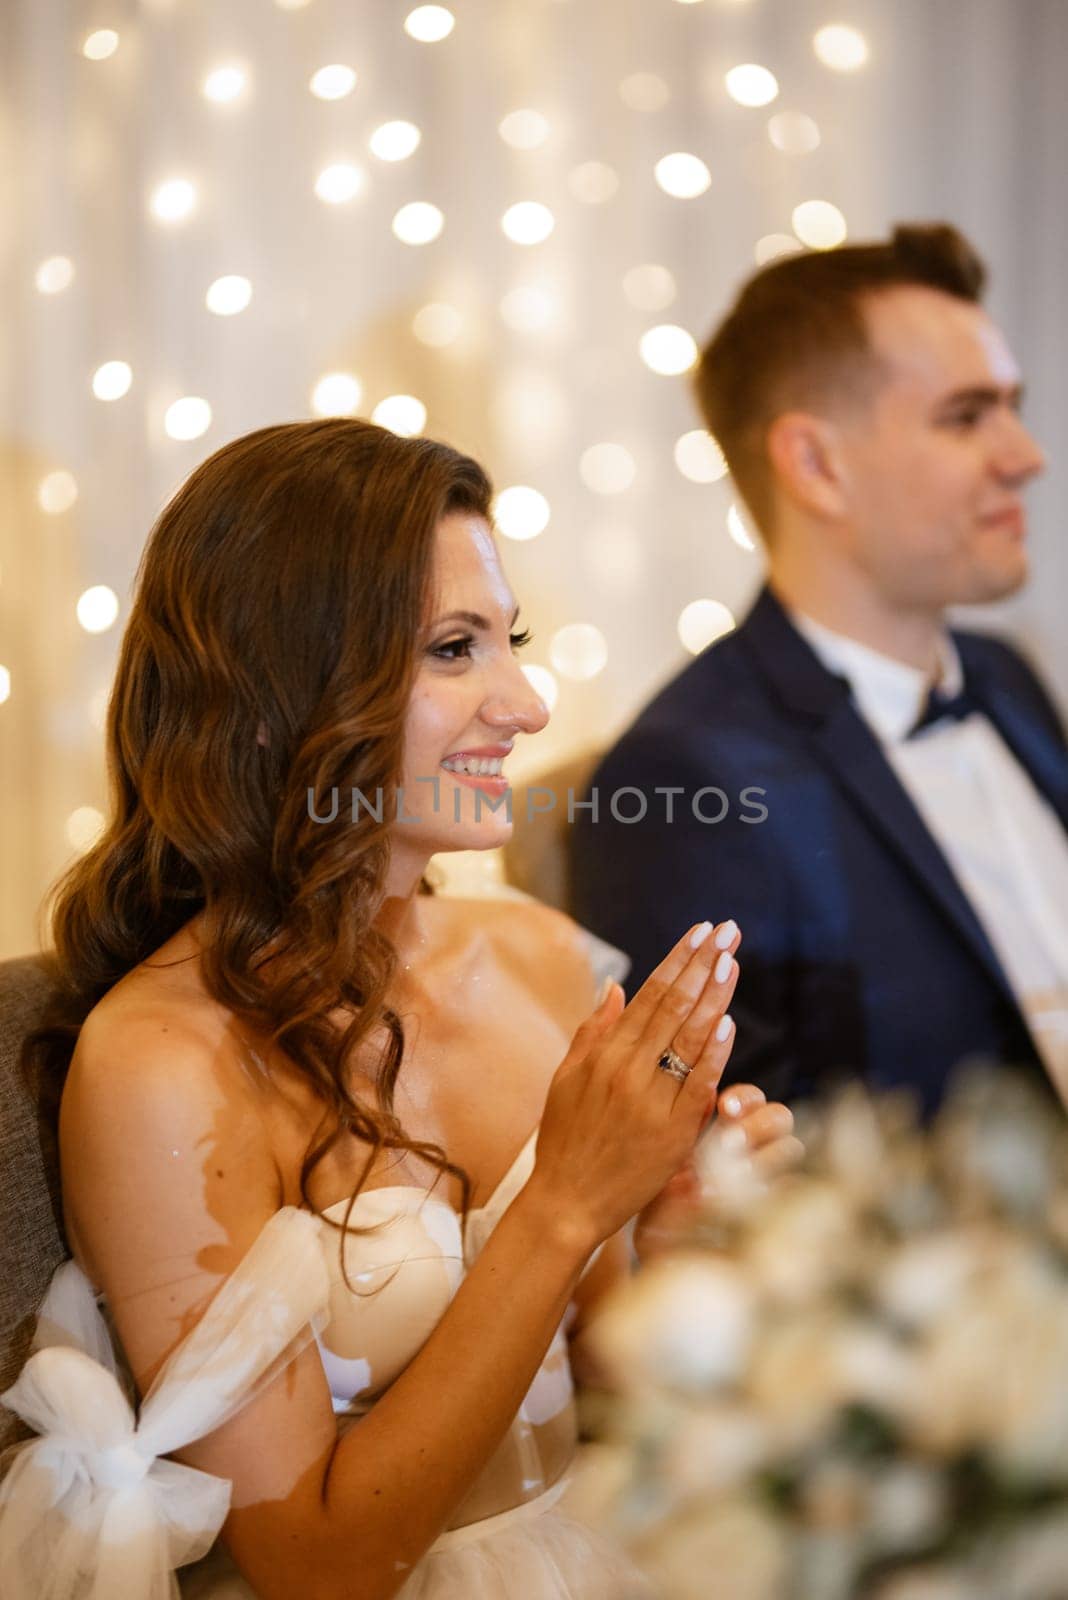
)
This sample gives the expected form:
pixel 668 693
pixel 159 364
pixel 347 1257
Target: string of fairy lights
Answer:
pixel 577 651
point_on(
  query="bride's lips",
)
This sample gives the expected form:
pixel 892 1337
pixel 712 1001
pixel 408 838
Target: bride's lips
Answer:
pixel 495 785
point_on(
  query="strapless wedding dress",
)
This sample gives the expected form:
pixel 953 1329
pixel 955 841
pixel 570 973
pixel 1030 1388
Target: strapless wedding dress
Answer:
pixel 92 1510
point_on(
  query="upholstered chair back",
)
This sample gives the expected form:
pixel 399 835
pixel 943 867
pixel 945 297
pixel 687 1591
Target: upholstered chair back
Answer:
pixel 31 1241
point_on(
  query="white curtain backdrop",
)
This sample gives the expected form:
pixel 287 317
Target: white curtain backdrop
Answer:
pixel 960 112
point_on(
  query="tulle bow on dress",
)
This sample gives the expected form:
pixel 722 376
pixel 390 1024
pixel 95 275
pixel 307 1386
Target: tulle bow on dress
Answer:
pixel 90 1510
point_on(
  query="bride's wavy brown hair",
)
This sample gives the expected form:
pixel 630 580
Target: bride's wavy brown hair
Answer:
pixel 268 659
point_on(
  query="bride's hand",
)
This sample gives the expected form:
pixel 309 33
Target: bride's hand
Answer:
pixel 615 1127
pixel 761 1130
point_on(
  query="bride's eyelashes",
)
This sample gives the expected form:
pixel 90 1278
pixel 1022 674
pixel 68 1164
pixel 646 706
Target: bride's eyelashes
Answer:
pixel 459 649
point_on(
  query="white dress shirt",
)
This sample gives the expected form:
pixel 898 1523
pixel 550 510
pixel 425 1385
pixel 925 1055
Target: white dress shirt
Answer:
pixel 1000 836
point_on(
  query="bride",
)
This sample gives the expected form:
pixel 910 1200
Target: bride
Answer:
pixel 302 1092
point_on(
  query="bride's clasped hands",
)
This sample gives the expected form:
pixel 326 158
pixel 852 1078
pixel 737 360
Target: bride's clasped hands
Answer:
pixel 636 1092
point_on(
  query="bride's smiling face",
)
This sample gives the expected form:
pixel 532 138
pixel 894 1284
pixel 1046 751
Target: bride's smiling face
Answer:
pixel 470 699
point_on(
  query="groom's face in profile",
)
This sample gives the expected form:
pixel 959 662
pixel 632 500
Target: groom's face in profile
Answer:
pixel 936 465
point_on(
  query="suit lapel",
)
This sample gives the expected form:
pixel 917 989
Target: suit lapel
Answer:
pixel 845 746
pixel 848 748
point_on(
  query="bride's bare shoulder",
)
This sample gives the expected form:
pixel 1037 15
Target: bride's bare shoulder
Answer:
pixel 159 1084
pixel 159 1018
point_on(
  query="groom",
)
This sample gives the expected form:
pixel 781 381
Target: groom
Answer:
pixel 904 904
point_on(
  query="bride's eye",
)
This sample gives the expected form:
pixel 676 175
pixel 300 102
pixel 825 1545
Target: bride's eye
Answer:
pixel 518 640
pixel 453 649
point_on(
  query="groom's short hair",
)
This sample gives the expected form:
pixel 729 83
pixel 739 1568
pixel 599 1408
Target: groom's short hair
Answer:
pixel 796 339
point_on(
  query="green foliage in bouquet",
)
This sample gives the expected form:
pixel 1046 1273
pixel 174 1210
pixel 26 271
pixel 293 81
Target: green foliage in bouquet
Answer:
pixel 852 1383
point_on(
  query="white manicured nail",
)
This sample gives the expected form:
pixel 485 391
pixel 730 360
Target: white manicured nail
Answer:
pixel 700 934
pixel 726 935
pixel 731 1105
pixel 723 1028
pixel 723 967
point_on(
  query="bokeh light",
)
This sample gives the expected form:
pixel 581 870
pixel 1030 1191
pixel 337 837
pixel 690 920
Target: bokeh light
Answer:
pixel 649 287
pixel 101 44
pixel 112 380
pixel 701 622
pixel 224 84
pixel 527 222
pixel 5 685
pixel 187 418
pixel 437 324
pixel 668 349
pixel 739 529
pixel 794 133
pixel 337 394
pixel 524 129
pixel 751 85
pixel 54 275
pixel 333 82
pixel 418 222
pixel 682 175
pixel 543 683
pixel 97 608
pixel 84 827
pixel 773 245
pixel 578 651
pixel 607 468
pixel 57 492
pixel 819 224
pixel 97 707
pixel 529 308
pixel 429 24
pixel 699 457
pixel 395 141
pixel 521 512
pixel 229 295
pixel 400 413
pixel 842 48
pixel 339 183
pixel 173 200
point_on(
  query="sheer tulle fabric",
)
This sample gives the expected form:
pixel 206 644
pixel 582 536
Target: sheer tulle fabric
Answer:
pixel 530 1554
pixel 89 1511
pixel 535 1552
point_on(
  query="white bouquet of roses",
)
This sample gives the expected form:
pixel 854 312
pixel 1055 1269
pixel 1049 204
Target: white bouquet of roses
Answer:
pixel 852 1384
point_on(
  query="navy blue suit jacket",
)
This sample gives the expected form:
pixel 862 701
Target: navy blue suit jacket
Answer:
pixel 861 955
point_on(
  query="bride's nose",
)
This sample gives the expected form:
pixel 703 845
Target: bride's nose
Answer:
pixel 517 705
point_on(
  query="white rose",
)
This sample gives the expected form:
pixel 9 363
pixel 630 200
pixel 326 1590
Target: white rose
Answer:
pixel 713 1449
pixel 908 1506
pixel 729 1549
pixel 874 1369
pixel 805 1241
pixel 685 1321
pixel 793 1377
pixel 927 1276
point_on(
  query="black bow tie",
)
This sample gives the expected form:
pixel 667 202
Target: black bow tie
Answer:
pixel 941 706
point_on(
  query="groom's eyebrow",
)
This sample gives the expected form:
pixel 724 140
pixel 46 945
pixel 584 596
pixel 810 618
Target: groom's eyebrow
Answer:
pixel 474 619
